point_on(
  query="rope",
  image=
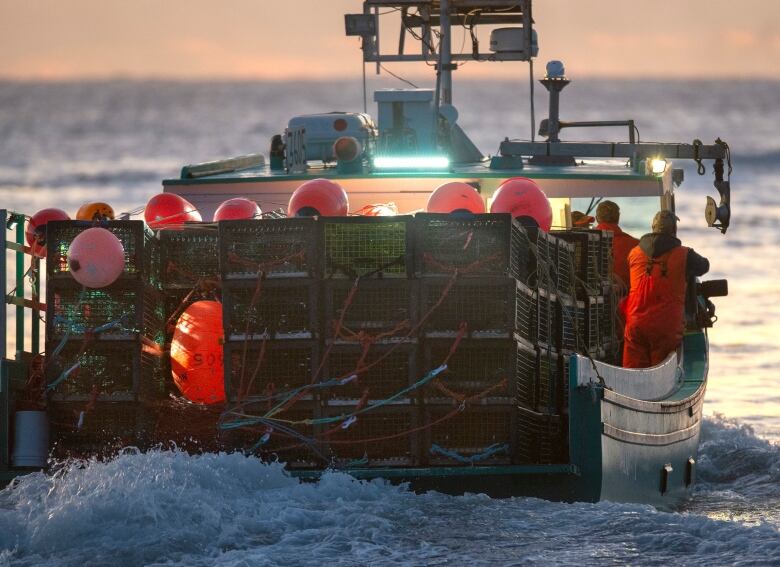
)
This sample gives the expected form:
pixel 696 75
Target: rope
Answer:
pixel 485 454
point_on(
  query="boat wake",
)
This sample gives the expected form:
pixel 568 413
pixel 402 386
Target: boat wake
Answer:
pixel 167 507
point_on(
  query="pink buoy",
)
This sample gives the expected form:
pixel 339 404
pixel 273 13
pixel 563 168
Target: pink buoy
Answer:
pixel 237 209
pixel 455 197
pixel 36 229
pixel 196 353
pixel 522 197
pixel 318 197
pixel 169 210
pixel 96 258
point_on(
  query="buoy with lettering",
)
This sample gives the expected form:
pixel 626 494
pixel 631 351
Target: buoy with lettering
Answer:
pixel 237 209
pixel 521 197
pixel 96 258
pixel 318 197
pixel 96 211
pixel 196 353
pixel 455 197
pixel 36 229
pixel 169 210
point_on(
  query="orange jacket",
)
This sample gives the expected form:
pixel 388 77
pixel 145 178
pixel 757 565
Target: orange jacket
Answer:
pixel 622 244
pixel 656 301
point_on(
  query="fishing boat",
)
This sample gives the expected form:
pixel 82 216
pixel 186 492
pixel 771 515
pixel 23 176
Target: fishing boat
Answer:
pixel 459 351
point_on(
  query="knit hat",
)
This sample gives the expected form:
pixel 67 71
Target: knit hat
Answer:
pixel 665 222
pixel 608 211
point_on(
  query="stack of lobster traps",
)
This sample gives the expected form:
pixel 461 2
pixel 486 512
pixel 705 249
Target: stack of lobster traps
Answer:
pixel 271 272
pixel 189 272
pixel 104 346
pixel 401 341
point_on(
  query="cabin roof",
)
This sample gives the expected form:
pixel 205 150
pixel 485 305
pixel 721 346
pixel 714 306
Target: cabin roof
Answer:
pixel 614 170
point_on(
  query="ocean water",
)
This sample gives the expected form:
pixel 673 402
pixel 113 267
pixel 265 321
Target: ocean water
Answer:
pixel 64 144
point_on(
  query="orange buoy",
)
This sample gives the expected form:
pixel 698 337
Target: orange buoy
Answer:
pixel 169 210
pixel 318 197
pixel 96 258
pixel 237 209
pixel 522 197
pixel 95 212
pixel 455 197
pixel 196 353
pixel 36 229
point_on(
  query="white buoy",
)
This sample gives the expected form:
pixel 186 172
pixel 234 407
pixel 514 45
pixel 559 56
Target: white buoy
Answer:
pixel 31 439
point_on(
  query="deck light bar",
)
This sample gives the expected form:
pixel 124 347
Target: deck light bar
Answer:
pixel 411 162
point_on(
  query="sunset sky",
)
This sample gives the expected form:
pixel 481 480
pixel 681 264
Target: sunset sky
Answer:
pixel 262 39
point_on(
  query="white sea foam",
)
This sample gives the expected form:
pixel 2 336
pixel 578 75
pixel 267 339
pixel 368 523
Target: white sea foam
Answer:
pixel 170 508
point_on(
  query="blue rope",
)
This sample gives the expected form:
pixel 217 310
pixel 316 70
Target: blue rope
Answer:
pixel 487 453
pixel 344 417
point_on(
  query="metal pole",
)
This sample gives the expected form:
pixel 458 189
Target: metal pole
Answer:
pixel 35 331
pixel 445 52
pixel 3 310
pixel 20 290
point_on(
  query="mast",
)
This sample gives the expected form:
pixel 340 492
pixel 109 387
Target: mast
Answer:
pixel 445 53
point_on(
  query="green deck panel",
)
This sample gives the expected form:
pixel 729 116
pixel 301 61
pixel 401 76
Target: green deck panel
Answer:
pixel 592 170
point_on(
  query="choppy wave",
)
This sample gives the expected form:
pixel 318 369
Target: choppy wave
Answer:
pixel 170 508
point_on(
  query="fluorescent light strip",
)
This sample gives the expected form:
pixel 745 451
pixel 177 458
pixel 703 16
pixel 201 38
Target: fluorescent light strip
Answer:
pixel 411 162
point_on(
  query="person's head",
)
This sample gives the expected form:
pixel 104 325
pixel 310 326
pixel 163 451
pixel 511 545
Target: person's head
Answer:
pixel 608 211
pixel 580 219
pixel 665 222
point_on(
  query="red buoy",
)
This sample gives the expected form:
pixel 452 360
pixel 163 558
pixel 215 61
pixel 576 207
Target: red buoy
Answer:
pixel 196 353
pixel 318 197
pixel 171 210
pixel 237 209
pixel 96 258
pixel 455 197
pixel 36 229
pixel 522 197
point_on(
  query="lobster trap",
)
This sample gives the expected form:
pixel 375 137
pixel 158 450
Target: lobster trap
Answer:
pixel 485 306
pixel 381 310
pixel 105 370
pixel 567 268
pixel 271 309
pixel 547 318
pixel 526 373
pixel 269 370
pixel 526 315
pixel 594 314
pixel 473 244
pixel 541 438
pixel 475 435
pixel 571 322
pixel 383 436
pixel 484 368
pixel 287 437
pixel 122 310
pixel 188 256
pixel 378 247
pixel 536 254
pixel 275 247
pixel 587 256
pixel 79 429
pixel 140 246
pixel 371 372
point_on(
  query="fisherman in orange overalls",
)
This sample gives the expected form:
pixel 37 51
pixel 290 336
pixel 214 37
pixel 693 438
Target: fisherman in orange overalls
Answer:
pixel 655 309
pixel 608 217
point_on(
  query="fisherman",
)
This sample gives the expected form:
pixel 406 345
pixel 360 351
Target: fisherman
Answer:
pixel 655 308
pixel 608 217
